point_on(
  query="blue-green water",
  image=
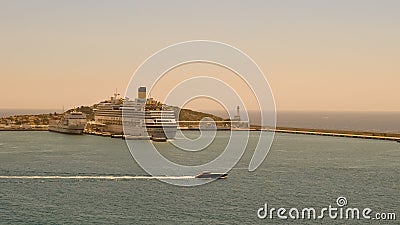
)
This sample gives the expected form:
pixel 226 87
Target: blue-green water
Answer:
pixel 300 171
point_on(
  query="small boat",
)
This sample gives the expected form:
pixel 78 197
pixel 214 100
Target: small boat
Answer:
pixel 131 137
pixel 116 135
pixel 106 134
pixel 159 139
pixel 210 175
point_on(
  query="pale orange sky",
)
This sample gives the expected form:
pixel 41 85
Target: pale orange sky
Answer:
pixel 316 55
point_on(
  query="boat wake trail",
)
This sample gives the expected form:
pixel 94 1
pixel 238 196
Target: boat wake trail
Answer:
pixel 98 177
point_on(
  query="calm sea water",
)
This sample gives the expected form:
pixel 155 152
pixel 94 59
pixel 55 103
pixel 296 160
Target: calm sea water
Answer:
pixel 300 171
pixel 336 120
pixel 359 121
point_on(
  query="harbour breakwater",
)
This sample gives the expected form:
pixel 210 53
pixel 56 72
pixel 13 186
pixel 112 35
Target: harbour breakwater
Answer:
pixel 292 130
pixel 340 133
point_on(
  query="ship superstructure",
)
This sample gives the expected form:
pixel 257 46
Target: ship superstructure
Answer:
pixel 71 123
pixel 136 118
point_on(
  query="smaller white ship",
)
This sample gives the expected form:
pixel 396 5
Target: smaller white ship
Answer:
pixel 72 123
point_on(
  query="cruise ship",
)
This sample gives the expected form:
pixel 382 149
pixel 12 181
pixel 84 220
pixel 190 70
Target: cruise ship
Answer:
pixel 161 125
pixel 71 123
pixel 138 118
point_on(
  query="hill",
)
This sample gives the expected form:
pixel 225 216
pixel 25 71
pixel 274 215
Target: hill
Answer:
pixel 43 119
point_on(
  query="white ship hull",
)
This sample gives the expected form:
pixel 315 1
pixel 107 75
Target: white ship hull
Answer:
pixel 152 131
pixel 133 119
pixel 160 132
pixel 153 124
pixel 73 123
pixel 67 129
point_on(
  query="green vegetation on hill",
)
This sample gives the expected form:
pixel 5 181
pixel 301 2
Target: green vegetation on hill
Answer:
pixel 42 119
pixel 190 115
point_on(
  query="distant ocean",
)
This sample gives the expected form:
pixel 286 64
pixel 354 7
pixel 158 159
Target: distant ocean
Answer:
pixel 360 121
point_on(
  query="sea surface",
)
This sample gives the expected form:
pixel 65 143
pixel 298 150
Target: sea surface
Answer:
pixel 375 121
pixel 300 171
pixel 359 121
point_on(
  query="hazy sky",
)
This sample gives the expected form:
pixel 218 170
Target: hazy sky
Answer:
pixel 316 55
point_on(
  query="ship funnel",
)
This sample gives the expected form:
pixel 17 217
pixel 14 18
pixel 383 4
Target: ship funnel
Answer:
pixel 142 93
